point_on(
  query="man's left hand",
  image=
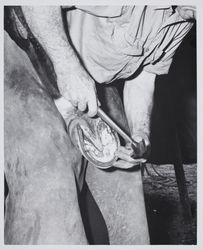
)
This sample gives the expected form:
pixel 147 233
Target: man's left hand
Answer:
pixel 130 156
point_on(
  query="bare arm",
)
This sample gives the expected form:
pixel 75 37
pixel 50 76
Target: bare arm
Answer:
pixel 73 81
pixel 138 102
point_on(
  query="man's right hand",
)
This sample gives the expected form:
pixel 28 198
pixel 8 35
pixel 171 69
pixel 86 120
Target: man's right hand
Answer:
pixel 79 89
pixel 74 83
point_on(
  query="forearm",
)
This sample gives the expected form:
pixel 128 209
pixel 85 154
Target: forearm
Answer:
pixel 47 26
pixel 138 102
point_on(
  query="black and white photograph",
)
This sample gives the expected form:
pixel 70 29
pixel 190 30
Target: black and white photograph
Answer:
pixel 100 124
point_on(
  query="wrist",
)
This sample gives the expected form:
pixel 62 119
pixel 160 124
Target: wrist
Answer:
pixel 68 70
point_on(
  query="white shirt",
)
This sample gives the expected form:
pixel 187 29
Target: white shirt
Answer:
pixel 115 41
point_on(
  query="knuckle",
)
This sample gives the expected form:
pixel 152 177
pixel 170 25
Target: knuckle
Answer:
pixel 82 106
pixel 92 109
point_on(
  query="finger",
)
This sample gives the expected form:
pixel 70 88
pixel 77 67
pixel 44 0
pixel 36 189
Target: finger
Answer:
pixel 137 138
pixel 125 165
pixel 128 146
pixel 120 154
pixel 82 106
pixel 92 106
pixel 126 157
pixel 141 136
pixel 128 151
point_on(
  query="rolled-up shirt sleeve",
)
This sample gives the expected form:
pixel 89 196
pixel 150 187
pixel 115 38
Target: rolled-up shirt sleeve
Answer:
pixel 164 53
pixel 103 10
pixel 115 41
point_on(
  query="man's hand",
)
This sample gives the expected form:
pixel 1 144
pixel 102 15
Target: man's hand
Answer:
pixel 74 83
pixel 78 88
pixel 129 156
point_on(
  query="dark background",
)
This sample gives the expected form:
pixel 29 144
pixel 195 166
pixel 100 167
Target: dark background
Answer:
pixel 174 117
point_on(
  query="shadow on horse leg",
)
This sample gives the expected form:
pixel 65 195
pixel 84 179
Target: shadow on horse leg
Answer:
pixel 42 204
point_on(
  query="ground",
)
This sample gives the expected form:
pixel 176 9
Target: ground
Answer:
pixel 164 211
